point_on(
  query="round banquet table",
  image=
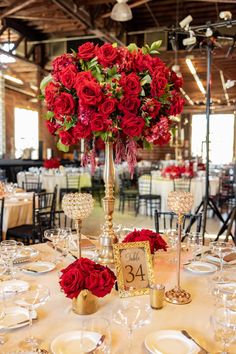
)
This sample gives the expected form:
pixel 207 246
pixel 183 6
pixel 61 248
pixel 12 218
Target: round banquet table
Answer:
pixel 163 187
pixel 56 316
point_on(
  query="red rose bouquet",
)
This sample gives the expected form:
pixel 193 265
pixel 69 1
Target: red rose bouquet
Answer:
pixel 86 274
pixel 121 94
pixel 155 239
pixel 52 163
pixel 178 171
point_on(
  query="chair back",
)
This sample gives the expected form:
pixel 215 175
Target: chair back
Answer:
pixel 32 186
pixel 62 221
pixel 73 181
pixel 169 221
pixel 145 185
pixel 182 184
pixel 2 202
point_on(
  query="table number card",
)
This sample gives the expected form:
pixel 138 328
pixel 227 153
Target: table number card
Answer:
pixel 134 268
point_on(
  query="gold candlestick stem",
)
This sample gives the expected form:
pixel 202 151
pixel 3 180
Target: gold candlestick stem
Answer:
pixel 78 226
pixel 108 237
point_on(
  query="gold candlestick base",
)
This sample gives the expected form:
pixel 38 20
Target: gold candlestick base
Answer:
pixel 178 296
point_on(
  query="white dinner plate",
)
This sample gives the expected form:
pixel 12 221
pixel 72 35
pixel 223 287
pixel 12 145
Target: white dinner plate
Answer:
pixel 170 342
pixel 16 317
pixel 201 267
pixel 14 286
pixel 26 254
pixel 229 287
pixel 69 342
pixel 216 259
pixel 38 267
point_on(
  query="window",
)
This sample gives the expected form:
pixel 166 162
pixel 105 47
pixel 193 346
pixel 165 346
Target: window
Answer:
pixel 221 137
pixel 26 133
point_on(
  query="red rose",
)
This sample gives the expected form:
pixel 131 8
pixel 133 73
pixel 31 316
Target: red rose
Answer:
pixel 60 63
pixel 99 122
pixel 151 107
pixel 86 51
pixel 159 133
pixel 129 104
pixel 158 83
pixel 80 131
pixel 142 61
pixel 54 162
pixel 83 76
pixel 131 84
pixel 106 55
pixel 66 138
pixel 101 282
pixel 108 106
pixel 177 80
pixel 155 240
pixel 176 104
pixel 86 266
pixel 68 76
pixel 51 90
pixel 72 282
pixel 132 125
pixel 52 126
pixel 89 92
pixel 64 104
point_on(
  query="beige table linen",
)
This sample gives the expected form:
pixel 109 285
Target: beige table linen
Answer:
pixel 56 316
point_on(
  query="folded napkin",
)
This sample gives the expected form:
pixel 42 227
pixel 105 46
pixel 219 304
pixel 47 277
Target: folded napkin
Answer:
pixel 228 259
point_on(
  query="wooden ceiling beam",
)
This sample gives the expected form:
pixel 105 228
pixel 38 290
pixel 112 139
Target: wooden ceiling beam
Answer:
pixel 35 18
pixel 16 6
pixel 22 28
pixel 214 1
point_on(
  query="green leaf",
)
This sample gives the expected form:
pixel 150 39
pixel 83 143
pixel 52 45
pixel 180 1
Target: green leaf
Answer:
pixel 154 52
pixel 114 45
pixel 45 82
pixel 146 80
pixel 41 97
pixel 73 51
pixel 144 50
pixel 62 147
pixel 112 71
pixel 49 115
pixel 142 93
pixel 156 45
pixel 132 47
pixel 147 145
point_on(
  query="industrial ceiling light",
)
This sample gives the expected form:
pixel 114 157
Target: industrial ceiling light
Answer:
pixel 229 84
pixel 121 11
pixel 185 22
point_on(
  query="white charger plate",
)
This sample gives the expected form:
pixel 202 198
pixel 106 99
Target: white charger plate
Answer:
pixel 16 317
pixel 38 267
pixel 201 267
pixel 170 342
pixel 14 286
pixel 69 342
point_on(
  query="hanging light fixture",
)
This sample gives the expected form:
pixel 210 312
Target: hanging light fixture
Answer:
pixel 121 11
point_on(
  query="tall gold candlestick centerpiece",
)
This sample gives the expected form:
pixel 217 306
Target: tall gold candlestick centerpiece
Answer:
pixel 108 237
pixel 78 206
pixel 180 203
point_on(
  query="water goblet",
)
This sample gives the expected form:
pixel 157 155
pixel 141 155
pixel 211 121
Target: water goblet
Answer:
pixel 8 251
pixel 53 236
pixel 65 235
pixel 221 249
pixel 100 342
pixel 132 314
pixel 31 300
pixel 223 322
pixel 195 243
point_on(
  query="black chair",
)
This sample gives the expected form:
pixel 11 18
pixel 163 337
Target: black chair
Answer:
pixel 44 205
pixel 128 192
pixel 145 196
pixel 170 221
pixel 182 184
pixel 72 185
pixel 32 186
pixel 60 220
pixel 2 202
pixel 97 188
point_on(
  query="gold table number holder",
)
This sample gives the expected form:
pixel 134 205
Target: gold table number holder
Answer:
pixel 108 236
pixel 180 203
pixel 77 206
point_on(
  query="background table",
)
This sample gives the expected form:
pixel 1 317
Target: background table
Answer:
pixel 56 316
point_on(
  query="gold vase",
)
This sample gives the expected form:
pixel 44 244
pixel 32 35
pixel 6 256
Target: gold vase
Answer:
pixel 108 237
pixel 85 304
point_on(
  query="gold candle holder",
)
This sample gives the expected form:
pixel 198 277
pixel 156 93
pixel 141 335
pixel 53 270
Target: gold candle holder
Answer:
pixel 157 292
pixel 180 203
pixel 77 206
pixel 108 236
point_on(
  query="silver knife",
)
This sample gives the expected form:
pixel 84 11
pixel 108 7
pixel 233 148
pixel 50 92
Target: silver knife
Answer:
pixel 187 335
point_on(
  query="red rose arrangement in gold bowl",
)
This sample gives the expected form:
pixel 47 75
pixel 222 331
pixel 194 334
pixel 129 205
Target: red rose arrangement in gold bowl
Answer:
pixel 121 94
pixel 155 239
pixel 54 162
pixel 86 274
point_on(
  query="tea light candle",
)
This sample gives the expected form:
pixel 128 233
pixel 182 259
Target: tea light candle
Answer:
pixel 157 292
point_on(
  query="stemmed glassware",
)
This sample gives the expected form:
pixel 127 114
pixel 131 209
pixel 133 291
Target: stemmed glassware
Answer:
pixel 132 314
pixel 64 240
pixel 31 300
pixel 99 326
pixel 195 243
pixel 221 249
pixel 53 235
pixel 223 322
pixel 8 251
pixel 2 305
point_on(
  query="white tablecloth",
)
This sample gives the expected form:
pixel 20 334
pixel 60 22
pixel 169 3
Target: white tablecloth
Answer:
pixel 163 187
pixel 56 316
pixel 17 211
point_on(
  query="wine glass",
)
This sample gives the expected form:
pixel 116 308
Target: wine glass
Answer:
pixel 172 239
pixel 8 251
pixel 100 342
pixel 195 243
pixel 2 297
pixel 31 300
pixel 53 236
pixel 223 322
pixel 64 239
pixel 221 249
pixel 132 314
